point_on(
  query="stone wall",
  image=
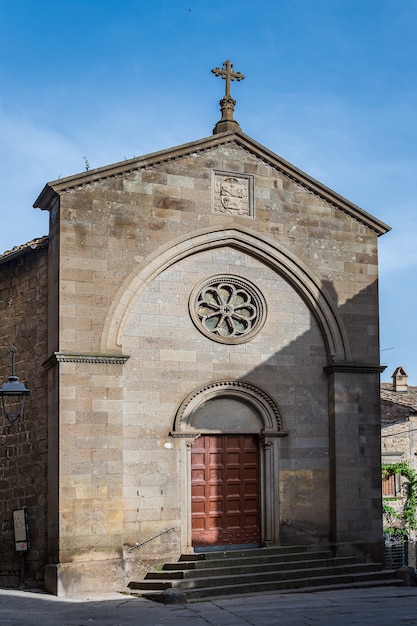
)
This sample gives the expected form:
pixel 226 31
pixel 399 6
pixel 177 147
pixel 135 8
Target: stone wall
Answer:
pixel 128 250
pixel 23 449
pixel 171 357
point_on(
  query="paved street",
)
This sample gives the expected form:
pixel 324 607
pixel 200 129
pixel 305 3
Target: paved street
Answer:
pixel 376 606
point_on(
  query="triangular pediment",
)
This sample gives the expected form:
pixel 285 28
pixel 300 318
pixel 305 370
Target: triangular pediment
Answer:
pixel 52 190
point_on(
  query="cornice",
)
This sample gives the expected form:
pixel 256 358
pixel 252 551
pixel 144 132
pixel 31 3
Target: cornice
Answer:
pixel 84 179
pixel 353 368
pixel 102 359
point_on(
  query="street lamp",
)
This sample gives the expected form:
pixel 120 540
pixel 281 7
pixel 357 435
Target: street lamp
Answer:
pixel 13 394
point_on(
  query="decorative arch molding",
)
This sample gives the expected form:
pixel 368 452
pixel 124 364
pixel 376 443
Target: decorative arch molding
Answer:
pixel 275 256
pixel 266 409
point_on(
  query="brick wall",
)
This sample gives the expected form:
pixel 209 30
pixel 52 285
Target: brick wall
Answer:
pixel 23 445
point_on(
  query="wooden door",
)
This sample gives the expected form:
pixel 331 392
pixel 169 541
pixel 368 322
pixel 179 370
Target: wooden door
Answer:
pixel 225 490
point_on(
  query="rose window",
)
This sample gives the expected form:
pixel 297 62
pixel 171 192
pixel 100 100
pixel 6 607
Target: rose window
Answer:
pixel 228 309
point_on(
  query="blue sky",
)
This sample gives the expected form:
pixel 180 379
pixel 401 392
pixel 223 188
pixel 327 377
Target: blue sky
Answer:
pixel 330 86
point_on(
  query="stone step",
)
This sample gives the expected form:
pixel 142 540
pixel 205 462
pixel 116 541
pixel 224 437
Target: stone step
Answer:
pixel 387 580
pixel 254 552
pixel 297 583
pixel 242 559
pixel 223 579
pixel 255 570
pixel 252 567
pixel 321 583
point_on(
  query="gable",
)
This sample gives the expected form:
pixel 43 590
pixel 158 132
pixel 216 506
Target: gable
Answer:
pixel 118 219
pixel 289 172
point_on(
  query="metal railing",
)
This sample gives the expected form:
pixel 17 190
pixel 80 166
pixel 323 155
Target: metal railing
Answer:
pixel 396 553
pixel 310 531
pixel 142 543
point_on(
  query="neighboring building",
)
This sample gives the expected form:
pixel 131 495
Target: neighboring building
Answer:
pixel 398 440
pixel 200 336
pixel 24 445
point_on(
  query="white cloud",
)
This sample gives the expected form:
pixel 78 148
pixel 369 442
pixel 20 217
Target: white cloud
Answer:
pixel 29 157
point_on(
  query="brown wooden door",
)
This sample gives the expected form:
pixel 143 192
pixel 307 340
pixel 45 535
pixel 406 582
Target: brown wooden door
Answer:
pixel 225 490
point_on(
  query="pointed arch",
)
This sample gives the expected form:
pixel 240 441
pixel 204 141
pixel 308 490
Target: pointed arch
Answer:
pixel 275 256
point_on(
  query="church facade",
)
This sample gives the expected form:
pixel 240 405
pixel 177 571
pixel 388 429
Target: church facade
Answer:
pixel 208 369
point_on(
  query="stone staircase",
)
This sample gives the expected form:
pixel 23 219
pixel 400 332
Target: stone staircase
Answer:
pixel 282 568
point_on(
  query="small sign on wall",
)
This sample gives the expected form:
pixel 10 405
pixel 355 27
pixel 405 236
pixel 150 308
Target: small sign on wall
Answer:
pixel 21 530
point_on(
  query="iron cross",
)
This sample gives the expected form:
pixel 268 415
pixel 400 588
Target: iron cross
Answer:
pixel 228 74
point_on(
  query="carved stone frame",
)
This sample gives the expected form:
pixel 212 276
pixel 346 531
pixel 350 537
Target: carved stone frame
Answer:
pixel 247 182
pixel 269 430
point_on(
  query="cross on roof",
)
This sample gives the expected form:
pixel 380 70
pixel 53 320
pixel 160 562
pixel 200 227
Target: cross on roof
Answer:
pixel 228 74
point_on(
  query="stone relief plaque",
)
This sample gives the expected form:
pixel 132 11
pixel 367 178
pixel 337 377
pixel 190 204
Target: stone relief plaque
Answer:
pixel 233 194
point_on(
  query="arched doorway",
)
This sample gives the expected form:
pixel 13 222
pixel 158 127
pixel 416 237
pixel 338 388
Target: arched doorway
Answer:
pixel 229 433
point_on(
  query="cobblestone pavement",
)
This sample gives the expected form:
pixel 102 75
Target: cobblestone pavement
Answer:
pixel 383 606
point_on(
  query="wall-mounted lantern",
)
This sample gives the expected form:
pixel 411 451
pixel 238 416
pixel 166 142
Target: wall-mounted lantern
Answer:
pixel 13 394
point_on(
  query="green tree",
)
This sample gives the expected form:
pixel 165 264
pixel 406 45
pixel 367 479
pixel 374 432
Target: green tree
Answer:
pixel 401 522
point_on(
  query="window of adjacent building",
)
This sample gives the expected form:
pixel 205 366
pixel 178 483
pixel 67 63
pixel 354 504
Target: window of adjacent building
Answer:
pixel 391 486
